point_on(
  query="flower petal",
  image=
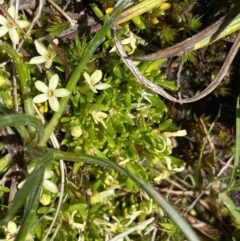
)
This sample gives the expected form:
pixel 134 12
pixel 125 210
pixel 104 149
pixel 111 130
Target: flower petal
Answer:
pixel 20 185
pixel 102 86
pixel 61 93
pixel 113 49
pixel 96 76
pixel 53 82
pixel 87 78
pixel 48 174
pixel 29 237
pixel 14 35
pixel 126 41
pixel 3 20
pixel 102 114
pixel 37 60
pixel 50 186
pixel 41 49
pixel 48 63
pixel 3 30
pixel 56 41
pixel 30 169
pixel 54 104
pixel 40 98
pixel 12 227
pixel 93 88
pixel 51 51
pixel 11 11
pixel 41 87
pixel 23 23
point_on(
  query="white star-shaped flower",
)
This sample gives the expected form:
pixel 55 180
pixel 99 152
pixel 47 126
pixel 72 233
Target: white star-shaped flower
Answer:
pixel 8 26
pixel 46 54
pixel 94 79
pixel 50 93
pixel 130 40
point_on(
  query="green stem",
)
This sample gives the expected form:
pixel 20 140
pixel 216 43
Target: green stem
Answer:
pixel 95 42
pixel 23 77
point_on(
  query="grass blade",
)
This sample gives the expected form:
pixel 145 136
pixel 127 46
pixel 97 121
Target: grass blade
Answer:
pixel 237 146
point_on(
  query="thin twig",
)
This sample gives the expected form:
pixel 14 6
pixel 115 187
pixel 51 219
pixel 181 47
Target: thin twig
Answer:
pixel 225 166
pixel 157 89
pixel 178 79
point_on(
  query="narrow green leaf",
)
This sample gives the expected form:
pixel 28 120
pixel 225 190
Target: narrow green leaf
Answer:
pixel 231 206
pixel 237 145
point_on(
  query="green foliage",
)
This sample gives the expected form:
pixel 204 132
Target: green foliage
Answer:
pixel 56 29
pixel 129 130
pixel 166 35
pixel 189 56
pixel 116 135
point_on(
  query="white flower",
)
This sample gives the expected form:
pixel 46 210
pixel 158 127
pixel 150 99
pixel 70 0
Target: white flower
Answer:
pixel 98 116
pixel 8 26
pixel 47 54
pixel 94 79
pixel 50 93
pixel 11 231
pixel 130 40
pixel 49 185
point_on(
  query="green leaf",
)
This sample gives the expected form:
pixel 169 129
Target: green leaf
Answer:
pixel 5 162
pixel 169 85
pixel 154 65
pixel 156 101
pixel 165 125
pixel 77 206
pixel 237 151
pixel 231 206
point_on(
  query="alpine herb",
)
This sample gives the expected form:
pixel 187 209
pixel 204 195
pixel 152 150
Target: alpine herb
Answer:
pixel 8 26
pixel 93 81
pixel 50 93
pixel 46 54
